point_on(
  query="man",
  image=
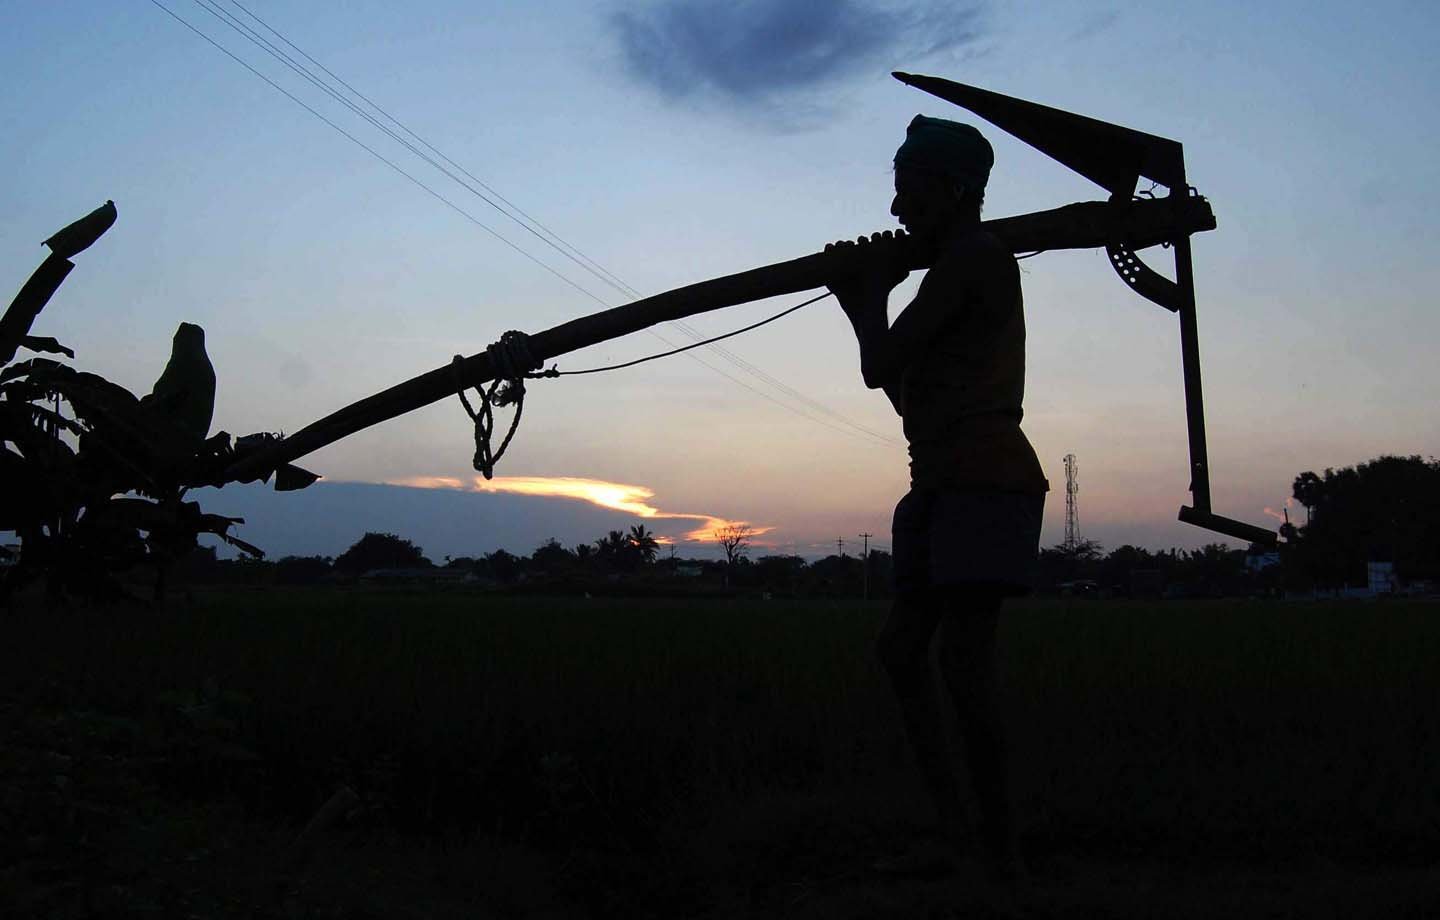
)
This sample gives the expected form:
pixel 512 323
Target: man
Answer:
pixel 966 535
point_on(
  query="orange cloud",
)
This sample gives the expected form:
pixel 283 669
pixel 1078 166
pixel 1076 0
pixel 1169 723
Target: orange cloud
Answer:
pixel 1280 516
pixel 614 495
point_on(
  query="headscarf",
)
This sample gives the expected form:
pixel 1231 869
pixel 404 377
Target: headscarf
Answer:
pixel 950 147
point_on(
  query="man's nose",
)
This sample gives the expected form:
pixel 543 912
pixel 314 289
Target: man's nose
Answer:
pixel 895 206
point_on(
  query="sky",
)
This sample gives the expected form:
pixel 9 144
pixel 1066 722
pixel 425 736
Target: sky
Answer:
pixel 678 140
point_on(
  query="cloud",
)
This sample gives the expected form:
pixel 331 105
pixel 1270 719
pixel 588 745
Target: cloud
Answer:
pixel 1094 23
pixel 773 58
pixel 615 496
pixel 1282 516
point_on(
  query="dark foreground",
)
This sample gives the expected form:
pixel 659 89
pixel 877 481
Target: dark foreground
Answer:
pixel 573 758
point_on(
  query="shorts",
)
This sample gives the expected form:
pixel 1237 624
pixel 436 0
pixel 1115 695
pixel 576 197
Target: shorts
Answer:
pixel 954 537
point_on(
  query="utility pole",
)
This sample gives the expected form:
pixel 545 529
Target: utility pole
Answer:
pixel 841 544
pixel 865 566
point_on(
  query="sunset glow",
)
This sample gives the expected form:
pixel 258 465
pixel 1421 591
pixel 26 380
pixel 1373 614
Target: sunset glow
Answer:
pixel 351 259
pixel 1281 515
pixel 630 499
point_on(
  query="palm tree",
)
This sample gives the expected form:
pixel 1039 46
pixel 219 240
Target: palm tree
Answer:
pixel 611 549
pixel 644 543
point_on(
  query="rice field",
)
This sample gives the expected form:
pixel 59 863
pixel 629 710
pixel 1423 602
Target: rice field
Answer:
pixel 734 745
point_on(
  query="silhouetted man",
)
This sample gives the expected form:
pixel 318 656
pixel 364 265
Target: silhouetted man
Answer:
pixel 966 535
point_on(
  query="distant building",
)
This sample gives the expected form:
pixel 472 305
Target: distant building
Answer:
pixel 1259 562
pixel 431 576
pixel 1381 577
pixel 1147 583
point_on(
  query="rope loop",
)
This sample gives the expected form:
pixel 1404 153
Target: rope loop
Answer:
pixel 512 363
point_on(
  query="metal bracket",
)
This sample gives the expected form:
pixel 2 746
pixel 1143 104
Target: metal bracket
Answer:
pixel 1143 279
pixel 1179 297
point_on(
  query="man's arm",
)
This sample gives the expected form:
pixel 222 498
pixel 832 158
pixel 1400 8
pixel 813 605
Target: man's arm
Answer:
pixel 867 314
pixel 886 350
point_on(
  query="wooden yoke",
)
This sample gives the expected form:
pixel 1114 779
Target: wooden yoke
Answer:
pixel 1087 225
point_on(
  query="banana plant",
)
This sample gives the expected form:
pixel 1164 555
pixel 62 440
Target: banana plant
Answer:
pixel 92 478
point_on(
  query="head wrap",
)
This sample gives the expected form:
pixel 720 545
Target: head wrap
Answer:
pixel 949 147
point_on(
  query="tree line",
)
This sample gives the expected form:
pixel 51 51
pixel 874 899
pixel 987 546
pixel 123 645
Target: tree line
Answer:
pixel 1385 510
pixel 631 559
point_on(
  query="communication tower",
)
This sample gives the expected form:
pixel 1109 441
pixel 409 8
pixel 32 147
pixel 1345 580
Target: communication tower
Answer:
pixel 1072 503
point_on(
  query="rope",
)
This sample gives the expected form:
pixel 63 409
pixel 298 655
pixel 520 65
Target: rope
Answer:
pixel 509 356
pixel 508 388
pixel 484 420
pixel 675 351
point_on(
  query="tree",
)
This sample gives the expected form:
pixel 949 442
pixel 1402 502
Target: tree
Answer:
pixel 93 479
pixel 644 543
pixel 1062 563
pixel 1384 510
pixel 380 551
pixel 779 573
pixel 1215 570
pixel 614 551
pixel 552 558
pixel 837 575
pixel 584 555
pixel 734 539
pixel 301 570
pixel 502 566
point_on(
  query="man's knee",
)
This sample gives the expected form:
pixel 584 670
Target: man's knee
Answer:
pixel 967 654
pixel 903 646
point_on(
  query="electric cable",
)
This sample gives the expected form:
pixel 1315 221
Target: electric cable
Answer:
pixel 254 37
pixel 553 240
pixel 684 348
pixel 578 257
pixel 433 149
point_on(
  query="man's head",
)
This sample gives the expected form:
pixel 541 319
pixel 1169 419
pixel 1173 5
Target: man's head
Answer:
pixel 940 175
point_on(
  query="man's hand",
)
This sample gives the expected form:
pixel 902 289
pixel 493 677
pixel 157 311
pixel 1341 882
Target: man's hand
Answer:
pixel 866 272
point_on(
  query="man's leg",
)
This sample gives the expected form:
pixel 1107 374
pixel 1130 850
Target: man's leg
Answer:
pixel 904 650
pixel 967 660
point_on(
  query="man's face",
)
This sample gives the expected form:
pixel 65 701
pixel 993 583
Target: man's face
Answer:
pixel 925 202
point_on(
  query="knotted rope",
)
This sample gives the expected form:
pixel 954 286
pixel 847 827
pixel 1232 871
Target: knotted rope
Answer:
pixel 513 364
pixel 510 359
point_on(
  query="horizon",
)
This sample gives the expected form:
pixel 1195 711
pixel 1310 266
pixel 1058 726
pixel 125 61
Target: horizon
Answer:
pixel 329 517
pixel 304 258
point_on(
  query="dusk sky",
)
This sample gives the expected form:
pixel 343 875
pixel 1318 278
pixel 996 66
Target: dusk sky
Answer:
pixel 670 142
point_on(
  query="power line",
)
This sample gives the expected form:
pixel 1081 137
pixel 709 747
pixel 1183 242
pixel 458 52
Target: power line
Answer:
pixel 676 351
pixel 376 154
pixel 553 239
pixel 515 214
pixel 393 120
pixel 255 38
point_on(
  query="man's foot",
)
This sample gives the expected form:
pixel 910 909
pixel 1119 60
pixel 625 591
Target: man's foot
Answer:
pixel 1003 882
pixel 925 863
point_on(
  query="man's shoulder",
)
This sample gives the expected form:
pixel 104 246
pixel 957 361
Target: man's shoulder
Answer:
pixel 978 243
pixel 978 252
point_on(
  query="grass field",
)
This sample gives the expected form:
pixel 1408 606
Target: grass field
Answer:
pixel 574 757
